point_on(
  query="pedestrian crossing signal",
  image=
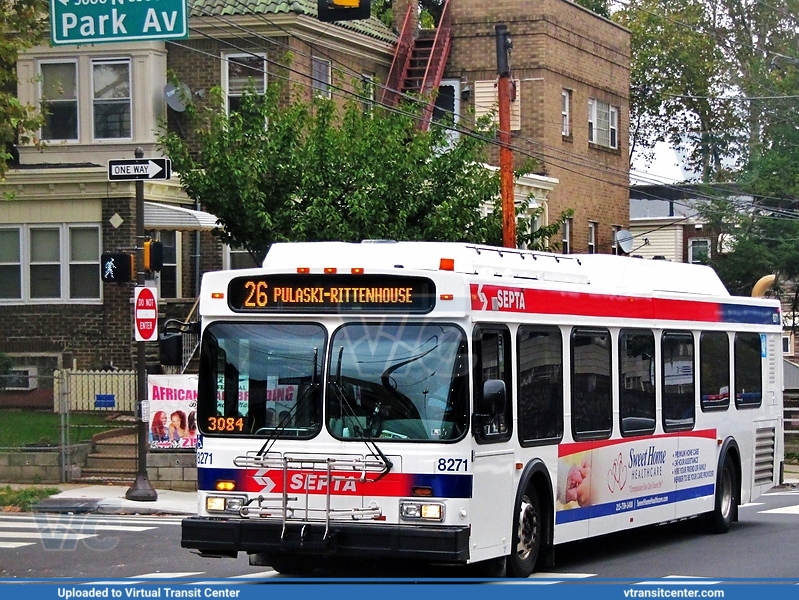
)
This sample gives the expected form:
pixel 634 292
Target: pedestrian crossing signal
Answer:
pixel 343 10
pixel 117 267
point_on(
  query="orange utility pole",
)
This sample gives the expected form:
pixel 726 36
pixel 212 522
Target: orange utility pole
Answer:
pixel 504 46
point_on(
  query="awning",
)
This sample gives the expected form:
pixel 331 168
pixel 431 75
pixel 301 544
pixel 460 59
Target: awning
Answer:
pixel 169 216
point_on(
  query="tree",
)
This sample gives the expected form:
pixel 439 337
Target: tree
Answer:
pixel 22 26
pixel 677 73
pixel 330 171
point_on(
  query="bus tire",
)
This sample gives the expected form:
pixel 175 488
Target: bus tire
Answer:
pixel 720 519
pixel 527 532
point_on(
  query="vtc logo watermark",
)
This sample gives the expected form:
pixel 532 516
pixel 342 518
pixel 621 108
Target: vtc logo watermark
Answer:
pixel 64 532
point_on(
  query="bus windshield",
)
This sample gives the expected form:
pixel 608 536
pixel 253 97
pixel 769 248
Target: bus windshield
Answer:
pixel 261 379
pixel 403 382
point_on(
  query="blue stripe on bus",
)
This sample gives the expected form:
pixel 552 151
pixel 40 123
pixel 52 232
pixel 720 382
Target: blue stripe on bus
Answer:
pixel 740 313
pixel 613 508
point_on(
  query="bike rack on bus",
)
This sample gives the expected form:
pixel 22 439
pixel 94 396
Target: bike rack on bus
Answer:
pixel 268 506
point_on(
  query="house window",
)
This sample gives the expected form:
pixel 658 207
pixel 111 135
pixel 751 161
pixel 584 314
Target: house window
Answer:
pixel 59 92
pixel 787 343
pixel 10 264
pixel 168 278
pixel 565 112
pixel 54 263
pixel 84 262
pixel 603 123
pixel 567 234
pixel 240 258
pixel 320 72
pixel 615 237
pixel 698 250
pixel 240 71
pixel 591 237
pixel 111 99
pixel 45 263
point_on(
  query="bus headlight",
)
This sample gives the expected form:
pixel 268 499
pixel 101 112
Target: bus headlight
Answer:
pixel 423 511
pixel 230 504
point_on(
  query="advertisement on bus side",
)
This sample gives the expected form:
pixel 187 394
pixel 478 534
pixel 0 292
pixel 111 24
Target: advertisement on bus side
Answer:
pixel 608 477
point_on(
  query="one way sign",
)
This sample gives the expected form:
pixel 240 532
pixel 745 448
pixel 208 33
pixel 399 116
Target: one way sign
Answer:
pixel 139 168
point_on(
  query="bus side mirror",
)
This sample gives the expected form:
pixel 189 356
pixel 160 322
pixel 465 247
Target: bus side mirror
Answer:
pixel 170 349
pixel 492 402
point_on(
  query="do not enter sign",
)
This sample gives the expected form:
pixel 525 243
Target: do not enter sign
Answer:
pixel 146 314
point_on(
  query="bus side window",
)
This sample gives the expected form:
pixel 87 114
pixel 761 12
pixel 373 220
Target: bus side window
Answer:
pixel 591 401
pixel 677 352
pixel 492 351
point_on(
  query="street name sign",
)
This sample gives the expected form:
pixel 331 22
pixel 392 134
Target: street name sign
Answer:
pixel 93 21
pixel 146 314
pixel 132 169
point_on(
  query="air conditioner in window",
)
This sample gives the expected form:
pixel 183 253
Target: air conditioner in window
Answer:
pixel 20 378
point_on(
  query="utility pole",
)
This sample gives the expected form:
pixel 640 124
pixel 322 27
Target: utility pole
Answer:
pixel 504 46
pixel 141 488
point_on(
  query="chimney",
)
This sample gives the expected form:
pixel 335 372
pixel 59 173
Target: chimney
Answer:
pixel 400 9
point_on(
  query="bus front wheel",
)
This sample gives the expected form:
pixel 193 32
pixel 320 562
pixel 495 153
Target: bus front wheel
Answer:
pixel 720 519
pixel 527 536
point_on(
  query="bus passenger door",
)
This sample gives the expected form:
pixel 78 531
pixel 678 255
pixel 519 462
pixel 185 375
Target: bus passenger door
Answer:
pixel 492 460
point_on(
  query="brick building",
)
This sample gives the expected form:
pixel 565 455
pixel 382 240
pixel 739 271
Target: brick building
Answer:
pixel 105 100
pixel 571 111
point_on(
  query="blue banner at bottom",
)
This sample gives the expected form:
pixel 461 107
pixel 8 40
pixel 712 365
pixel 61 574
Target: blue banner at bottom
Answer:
pixel 507 589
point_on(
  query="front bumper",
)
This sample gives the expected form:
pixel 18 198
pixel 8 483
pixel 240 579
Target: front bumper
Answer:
pixel 418 542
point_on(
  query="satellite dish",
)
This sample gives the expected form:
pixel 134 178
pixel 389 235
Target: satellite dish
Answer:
pixel 625 240
pixel 176 96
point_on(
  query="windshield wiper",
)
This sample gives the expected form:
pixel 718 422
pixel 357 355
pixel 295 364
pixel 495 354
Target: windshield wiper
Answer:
pixel 335 385
pixel 301 400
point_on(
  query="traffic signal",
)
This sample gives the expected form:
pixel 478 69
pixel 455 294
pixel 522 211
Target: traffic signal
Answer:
pixel 343 10
pixel 153 256
pixel 117 267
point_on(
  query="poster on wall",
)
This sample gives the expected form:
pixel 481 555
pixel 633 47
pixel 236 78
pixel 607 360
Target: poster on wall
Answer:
pixel 172 411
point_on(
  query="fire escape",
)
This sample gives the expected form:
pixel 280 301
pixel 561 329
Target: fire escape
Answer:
pixel 419 63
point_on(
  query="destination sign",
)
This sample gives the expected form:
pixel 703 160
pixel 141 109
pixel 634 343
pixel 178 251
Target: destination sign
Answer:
pixel 331 293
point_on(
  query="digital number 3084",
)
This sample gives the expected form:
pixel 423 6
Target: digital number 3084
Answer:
pixel 451 464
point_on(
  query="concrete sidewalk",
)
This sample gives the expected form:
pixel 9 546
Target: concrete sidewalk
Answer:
pixel 110 499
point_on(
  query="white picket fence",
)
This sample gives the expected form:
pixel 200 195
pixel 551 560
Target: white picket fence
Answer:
pixel 105 391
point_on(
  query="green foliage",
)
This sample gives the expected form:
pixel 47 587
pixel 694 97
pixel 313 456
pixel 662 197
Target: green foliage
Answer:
pixel 600 7
pixel 677 70
pixel 332 171
pixel 42 428
pixel 22 26
pixel 24 498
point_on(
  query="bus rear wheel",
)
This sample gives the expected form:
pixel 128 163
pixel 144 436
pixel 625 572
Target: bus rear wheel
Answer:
pixel 526 537
pixel 720 519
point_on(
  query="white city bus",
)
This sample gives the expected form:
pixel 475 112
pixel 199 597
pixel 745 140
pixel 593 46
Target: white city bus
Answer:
pixel 455 403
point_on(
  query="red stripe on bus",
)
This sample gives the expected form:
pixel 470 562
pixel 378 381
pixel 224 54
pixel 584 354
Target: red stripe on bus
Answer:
pixel 550 302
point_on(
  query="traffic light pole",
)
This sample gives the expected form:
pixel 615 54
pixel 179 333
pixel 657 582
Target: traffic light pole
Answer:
pixel 141 489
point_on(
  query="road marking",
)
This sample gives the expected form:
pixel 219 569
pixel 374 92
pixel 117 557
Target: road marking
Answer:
pixel 176 575
pixel 680 580
pixel 38 535
pixel 785 510
pixel 16 544
pixel 76 524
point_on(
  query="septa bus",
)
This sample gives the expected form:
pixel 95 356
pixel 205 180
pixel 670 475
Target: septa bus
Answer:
pixel 459 404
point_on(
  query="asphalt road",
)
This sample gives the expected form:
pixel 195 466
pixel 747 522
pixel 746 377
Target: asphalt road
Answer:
pixel 118 548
